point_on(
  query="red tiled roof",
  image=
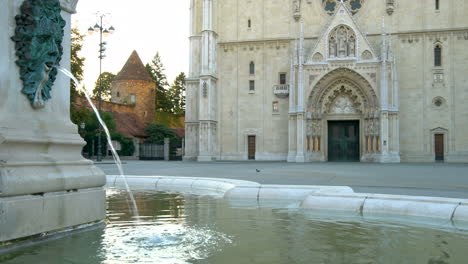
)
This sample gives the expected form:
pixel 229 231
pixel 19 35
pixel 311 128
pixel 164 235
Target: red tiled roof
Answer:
pixel 129 125
pixel 133 70
pixel 179 131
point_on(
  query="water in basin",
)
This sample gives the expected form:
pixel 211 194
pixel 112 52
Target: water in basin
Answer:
pixel 175 228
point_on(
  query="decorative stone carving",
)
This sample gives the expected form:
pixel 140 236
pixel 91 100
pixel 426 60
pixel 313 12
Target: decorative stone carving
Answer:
pixel 317 57
pixel 353 5
pixel 359 97
pixel 205 90
pixel 38 38
pixel 297 9
pixel 342 42
pixel 366 55
pixel 390 6
pixel 438 102
pixel 342 105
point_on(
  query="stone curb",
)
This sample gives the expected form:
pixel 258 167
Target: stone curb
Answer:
pixel 338 199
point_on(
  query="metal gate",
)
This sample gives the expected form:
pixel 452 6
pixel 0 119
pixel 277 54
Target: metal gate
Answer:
pixel 150 151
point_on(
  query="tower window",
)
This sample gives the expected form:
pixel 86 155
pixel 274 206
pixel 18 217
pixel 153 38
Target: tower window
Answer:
pixel 133 98
pixel 282 78
pixel 118 94
pixel 249 23
pixel 438 56
pixel 251 85
pixel 252 68
pixel 437 4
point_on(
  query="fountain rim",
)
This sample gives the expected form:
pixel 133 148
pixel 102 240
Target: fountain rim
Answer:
pixel 330 200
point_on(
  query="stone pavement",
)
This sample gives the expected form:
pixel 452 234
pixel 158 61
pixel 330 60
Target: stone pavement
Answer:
pixel 423 179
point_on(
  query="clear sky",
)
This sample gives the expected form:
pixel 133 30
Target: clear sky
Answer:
pixel 146 26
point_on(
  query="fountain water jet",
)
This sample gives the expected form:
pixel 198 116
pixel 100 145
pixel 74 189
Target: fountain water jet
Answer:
pixel 116 157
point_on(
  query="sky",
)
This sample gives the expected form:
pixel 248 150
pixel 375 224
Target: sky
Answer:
pixel 146 26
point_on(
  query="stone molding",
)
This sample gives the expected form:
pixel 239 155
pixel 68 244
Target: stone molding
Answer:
pixel 69 6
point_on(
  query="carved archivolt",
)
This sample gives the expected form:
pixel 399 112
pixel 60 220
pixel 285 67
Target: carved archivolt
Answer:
pixel 342 42
pixel 354 85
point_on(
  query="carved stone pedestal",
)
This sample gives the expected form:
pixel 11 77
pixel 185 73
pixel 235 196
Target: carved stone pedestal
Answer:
pixel 45 183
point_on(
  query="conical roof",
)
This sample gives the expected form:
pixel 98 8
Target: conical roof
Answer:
pixel 133 70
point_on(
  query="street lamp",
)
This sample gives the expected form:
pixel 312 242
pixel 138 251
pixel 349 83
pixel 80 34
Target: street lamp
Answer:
pixel 103 31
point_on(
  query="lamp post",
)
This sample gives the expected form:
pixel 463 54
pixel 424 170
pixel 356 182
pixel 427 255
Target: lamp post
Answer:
pixel 103 31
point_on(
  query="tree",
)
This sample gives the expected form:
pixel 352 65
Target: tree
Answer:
pixel 106 82
pixel 91 129
pixel 77 62
pixel 156 70
pixel 177 95
pixel 157 133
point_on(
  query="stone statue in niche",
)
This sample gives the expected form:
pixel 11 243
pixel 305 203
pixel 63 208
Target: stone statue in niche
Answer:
pixel 342 42
pixel 352 47
pixel 332 45
pixel 38 38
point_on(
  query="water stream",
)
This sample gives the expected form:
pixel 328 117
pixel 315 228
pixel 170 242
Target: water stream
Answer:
pixel 116 157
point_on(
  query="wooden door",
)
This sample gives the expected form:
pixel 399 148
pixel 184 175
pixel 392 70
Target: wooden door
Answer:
pixel 439 146
pixel 251 147
pixel 343 141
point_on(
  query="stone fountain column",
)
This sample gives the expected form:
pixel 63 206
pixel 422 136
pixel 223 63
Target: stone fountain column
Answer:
pixel 45 183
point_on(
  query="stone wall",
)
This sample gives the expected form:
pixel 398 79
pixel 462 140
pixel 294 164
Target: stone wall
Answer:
pixel 144 91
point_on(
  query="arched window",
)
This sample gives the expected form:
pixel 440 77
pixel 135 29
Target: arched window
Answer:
pixel 438 56
pixel 249 23
pixel 252 68
pixel 437 4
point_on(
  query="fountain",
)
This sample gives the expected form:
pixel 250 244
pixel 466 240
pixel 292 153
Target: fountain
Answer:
pixel 45 183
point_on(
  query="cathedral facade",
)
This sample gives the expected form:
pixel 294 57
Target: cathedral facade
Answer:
pixel 328 80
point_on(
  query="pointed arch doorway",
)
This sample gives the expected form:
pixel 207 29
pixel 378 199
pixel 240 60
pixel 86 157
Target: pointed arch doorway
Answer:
pixel 344 119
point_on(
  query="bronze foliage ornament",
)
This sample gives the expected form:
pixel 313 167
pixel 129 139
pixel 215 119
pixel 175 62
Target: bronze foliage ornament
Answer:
pixel 38 43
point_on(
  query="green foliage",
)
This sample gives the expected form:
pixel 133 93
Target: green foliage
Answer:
pixel 169 99
pixel 126 143
pixel 106 82
pixel 169 119
pixel 177 95
pixel 91 130
pixel 157 133
pixel 156 70
pixel 77 62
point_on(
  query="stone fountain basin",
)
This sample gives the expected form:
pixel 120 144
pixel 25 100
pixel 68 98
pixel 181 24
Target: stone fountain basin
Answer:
pixel 336 200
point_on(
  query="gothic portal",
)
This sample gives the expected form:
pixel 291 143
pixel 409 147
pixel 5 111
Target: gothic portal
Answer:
pixel 327 80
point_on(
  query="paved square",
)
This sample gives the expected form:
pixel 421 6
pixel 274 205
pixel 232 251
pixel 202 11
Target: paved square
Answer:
pixel 431 179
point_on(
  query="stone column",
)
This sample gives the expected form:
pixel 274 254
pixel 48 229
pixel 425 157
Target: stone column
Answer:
pixel 208 98
pixel 136 153
pixel 45 183
pixel 300 100
pixel 166 149
pixel 192 121
pixel 389 148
